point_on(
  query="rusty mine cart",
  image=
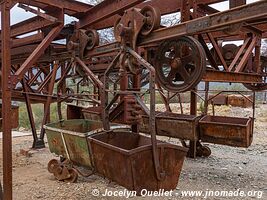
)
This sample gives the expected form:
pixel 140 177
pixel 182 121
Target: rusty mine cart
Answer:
pixel 111 84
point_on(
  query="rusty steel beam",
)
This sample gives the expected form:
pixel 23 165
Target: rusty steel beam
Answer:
pixel 232 77
pixel 50 9
pixel 45 81
pixel 239 53
pixel 34 97
pixel 89 73
pixel 36 38
pixel 217 50
pixel 30 25
pixel 29 110
pixel 48 102
pixel 169 6
pixel 104 10
pixel 20 45
pixel 38 12
pixel 246 56
pixel 22 50
pixel 235 3
pixel 70 5
pixel 215 22
pixel 35 77
pixel 207 9
pixel 37 53
pixel 6 100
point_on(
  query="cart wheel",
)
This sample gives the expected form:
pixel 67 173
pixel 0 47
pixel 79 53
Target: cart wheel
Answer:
pixel 52 165
pixel 73 176
pixel 206 152
pixel 203 151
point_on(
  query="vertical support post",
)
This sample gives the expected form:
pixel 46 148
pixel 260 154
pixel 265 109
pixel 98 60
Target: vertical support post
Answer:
pixel 185 11
pixel 6 99
pixel 193 103
pixel 193 111
pixel 257 59
pixel 136 87
pixel 180 102
pixel 206 103
pixel 48 101
pixel 253 111
pixel 30 114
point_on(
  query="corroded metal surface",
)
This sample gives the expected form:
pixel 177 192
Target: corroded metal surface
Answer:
pixel 116 72
pixel 226 130
pixel 69 139
pixel 174 125
pixel 122 154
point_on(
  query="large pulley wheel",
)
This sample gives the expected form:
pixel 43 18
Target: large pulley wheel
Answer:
pixel 180 64
pixel 263 85
pixel 152 19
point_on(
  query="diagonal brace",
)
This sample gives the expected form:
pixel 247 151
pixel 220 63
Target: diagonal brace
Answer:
pixel 18 76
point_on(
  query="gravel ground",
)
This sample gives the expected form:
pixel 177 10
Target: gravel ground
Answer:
pixel 227 169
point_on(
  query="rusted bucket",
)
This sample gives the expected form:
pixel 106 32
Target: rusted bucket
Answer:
pixel 80 112
pixel 92 113
pixel 219 100
pixel 127 159
pixel 173 125
pixel 232 131
pixel 69 139
pixel 240 101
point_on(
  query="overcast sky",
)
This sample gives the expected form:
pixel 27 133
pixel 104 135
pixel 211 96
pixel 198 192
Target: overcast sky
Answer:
pixel 18 14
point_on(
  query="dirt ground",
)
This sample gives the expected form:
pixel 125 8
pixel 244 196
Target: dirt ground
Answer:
pixel 228 169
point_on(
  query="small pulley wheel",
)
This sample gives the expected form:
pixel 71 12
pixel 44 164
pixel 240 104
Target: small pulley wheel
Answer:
pixel 93 39
pixel 73 176
pixel 152 19
pixel 180 64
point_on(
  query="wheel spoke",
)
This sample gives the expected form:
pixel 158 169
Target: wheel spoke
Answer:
pixel 183 72
pixel 166 60
pixel 187 59
pixel 178 51
pixel 171 75
pixel 180 64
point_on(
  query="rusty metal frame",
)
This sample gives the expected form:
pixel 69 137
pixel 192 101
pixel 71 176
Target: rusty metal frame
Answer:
pixel 6 101
pixel 37 52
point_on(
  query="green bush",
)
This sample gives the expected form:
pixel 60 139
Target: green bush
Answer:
pixel 38 113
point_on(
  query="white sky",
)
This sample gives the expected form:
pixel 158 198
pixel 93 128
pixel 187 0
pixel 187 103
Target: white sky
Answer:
pixel 18 14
